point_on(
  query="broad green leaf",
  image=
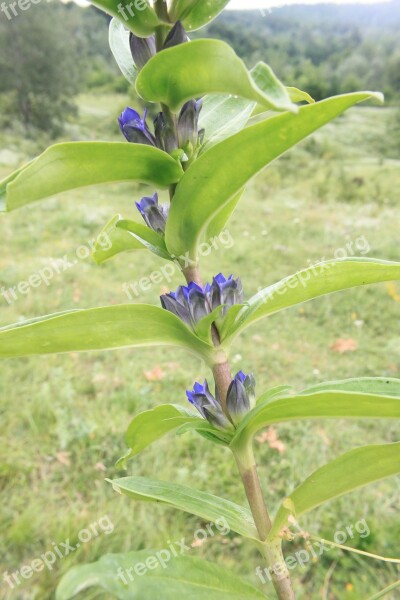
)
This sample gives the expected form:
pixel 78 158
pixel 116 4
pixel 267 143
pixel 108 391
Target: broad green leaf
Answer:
pixel 222 116
pixel 98 329
pixel 313 282
pixel 218 175
pixel 157 575
pixel 220 218
pixel 146 236
pixel 201 504
pixel 384 386
pixel 112 241
pixel 344 474
pixel 118 38
pixel 196 13
pixel 168 76
pixel 72 165
pixel 138 16
pixel 149 426
pixel 318 405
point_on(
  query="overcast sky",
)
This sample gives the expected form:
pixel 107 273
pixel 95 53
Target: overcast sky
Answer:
pixel 251 4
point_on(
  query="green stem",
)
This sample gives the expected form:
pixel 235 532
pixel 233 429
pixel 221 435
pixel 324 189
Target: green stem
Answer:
pixel 161 32
pixel 277 570
pixel 272 551
pixel 248 471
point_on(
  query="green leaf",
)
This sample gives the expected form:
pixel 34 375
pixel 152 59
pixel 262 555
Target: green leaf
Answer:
pixel 112 241
pixel 218 175
pixel 151 425
pixel 224 115
pixel 203 327
pixel 146 236
pixel 275 392
pixel 160 575
pixel 194 14
pixel 384 386
pixel 344 474
pixel 221 217
pixel 313 282
pixel 335 403
pixel 65 167
pixel 201 504
pixel 139 17
pixel 98 329
pixel 118 38
pixel 168 76
pixel 297 95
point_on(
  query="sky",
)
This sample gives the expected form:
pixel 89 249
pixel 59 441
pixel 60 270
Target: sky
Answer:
pixel 252 4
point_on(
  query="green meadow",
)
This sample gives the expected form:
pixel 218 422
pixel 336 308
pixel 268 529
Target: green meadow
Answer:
pixel 63 418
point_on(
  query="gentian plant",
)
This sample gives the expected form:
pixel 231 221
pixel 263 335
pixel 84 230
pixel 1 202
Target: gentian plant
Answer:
pixel 216 126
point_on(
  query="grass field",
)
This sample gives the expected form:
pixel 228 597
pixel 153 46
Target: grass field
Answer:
pixel 63 418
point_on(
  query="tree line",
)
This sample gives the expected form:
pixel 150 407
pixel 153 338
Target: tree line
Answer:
pixel 52 52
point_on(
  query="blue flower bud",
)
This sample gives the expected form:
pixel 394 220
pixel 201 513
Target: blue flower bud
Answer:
pixel 192 303
pixel 176 36
pixel 154 215
pixel 188 123
pixel 142 49
pixel 207 405
pixel 241 396
pixel 135 128
pixel 226 292
pixel 189 303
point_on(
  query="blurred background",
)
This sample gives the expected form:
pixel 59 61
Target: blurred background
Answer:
pixel 63 417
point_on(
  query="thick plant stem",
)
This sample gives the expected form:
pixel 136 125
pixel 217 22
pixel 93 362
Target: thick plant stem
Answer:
pixel 276 570
pixel 248 471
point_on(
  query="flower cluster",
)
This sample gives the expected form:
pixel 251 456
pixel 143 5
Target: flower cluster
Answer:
pixel 187 137
pixel 240 399
pixel 192 303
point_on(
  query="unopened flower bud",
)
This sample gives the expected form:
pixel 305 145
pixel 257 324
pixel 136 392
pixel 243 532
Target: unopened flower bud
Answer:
pixel 176 36
pixel 208 406
pixel 154 215
pixel 188 123
pixel 142 49
pixel 240 397
pixel 135 128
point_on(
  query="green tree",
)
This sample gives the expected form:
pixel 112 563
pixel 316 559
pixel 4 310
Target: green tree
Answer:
pixel 40 67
